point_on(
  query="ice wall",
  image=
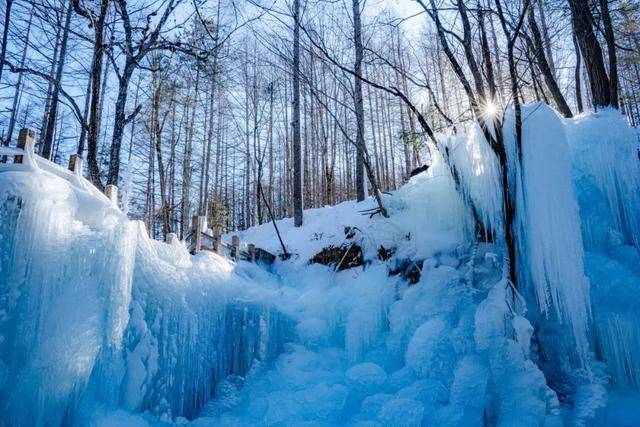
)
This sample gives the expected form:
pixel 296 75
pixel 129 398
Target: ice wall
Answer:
pixel 92 311
pixel 578 203
pixel 606 173
pixel 549 239
pixel 604 152
pixel 65 283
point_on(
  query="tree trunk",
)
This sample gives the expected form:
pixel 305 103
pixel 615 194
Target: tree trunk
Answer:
pixel 547 72
pixel 611 51
pixel 545 35
pixel 53 112
pixel 94 108
pixel 591 52
pixel 5 34
pixel 186 162
pixel 486 55
pixel 119 122
pixel 297 154
pixel 357 68
pixel 18 93
pixel 83 131
pixel 577 74
pixel 47 104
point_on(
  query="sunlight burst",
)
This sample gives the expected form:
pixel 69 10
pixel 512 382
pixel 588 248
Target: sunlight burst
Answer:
pixel 491 109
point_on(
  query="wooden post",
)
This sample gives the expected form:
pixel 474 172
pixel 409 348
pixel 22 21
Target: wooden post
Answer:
pixel 111 191
pixel 251 249
pixel 217 236
pixel 235 242
pixel 75 163
pixel 26 141
pixel 197 233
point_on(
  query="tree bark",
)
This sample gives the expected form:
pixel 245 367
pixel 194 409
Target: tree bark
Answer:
pixel 18 93
pixel 297 154
pixel 94 107
pixel 5 34
pixel 577 74
pixel 53 112
pixel 186 161
pixel 611 52
pixel 591 52
pixel 547 72
pixel 357 35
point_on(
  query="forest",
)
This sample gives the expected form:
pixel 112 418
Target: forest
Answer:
pixel 197 108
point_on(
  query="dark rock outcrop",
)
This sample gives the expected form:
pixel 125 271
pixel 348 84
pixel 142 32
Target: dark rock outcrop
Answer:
pixel 343 257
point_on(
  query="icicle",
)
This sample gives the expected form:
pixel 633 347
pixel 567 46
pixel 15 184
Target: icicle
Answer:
pixel 548 223
pixel 604 152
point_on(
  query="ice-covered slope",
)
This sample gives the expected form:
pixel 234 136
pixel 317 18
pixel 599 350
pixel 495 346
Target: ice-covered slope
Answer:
pixel 371 350
pixel 92 310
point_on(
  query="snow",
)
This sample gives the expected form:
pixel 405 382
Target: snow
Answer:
pixel 100 325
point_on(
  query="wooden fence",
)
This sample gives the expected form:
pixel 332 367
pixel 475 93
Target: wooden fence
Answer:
pixel 199 240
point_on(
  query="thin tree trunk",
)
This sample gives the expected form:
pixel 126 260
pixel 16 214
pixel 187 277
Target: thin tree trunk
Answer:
pixel 5 34
pixel 94 108
pixel 47 105
pixel 591 52
pixel 297 155
pixel 357 32
pixel 186 161
pixel 577 74
pixel 547 72
pixel 83 130
pixel 18 93
pixel 53 112
pixel 547 39
pixel 611 52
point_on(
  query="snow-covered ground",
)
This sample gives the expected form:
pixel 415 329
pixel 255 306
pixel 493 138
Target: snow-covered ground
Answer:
pixel 99 325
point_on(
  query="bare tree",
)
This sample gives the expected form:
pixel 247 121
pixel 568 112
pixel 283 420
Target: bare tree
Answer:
pixel 591 52
pixel 297 154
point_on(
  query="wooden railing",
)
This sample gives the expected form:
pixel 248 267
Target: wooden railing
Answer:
pixel 25 158
pixel 199 240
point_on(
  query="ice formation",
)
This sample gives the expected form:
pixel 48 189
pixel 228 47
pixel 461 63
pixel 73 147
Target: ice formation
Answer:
pixel 93 310
pixel 548 223
pixel 606 172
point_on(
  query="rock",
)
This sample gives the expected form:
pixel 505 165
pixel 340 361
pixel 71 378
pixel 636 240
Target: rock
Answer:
pixel 410 270
pixel 350 232
pixel 418 170
pixel 264 257
pixel 344 257
pixel 384 254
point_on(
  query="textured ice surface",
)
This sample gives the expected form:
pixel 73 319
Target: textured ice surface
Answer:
pixel 550 243
pixel 93 310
